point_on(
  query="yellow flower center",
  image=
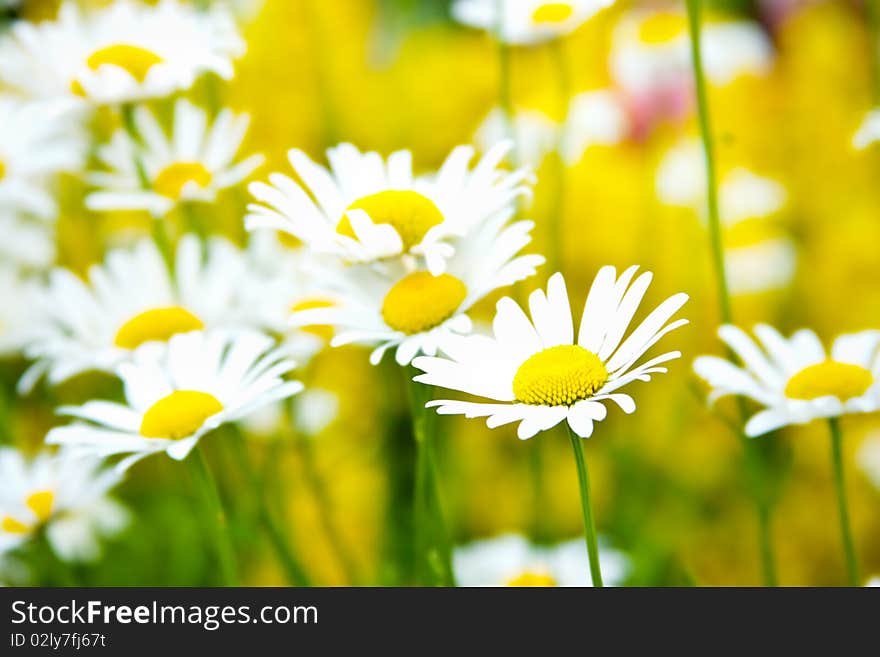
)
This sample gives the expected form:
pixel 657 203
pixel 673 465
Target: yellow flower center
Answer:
pixel 559 376
pixel 172 179
pixel 411 214
pixel 420 301
pixel 41 504
pixel 552 12
pixel 179 415
pixel 2 170
pixel 12 526
pixel 323 331
pixel 829 379
pixel 135 60
pixel 158 325
pixel 662 27
pixel 530 578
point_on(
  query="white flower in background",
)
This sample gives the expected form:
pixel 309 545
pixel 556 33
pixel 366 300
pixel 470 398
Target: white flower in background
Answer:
pixel 315 410
pixel 125 52
pixel 526 22
pixel 414 311
pixel 24 243
pixel 177 392
pixel 594 118
pixel 868 458
pixel 535 372
pixel 18 321
pixel 795 379
pixel 365 208
pixel 130 300
pixel 759 255
pixel 869 132
pixel 193 164
pixel 511 560
pixel 36 142
pixel 62 493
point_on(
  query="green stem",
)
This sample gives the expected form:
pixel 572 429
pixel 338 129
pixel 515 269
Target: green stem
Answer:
pixel 557 208
pixel 873 8
pixel 158 229
pixel 587 508
pixel 222 537
pixel 849 551
pixel 716 245
pixel 432 536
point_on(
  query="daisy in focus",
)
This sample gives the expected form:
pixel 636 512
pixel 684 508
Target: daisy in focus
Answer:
pixel 130 300
pixel 127 51
pixel 364 208
pixel 795 379
pixel 175 393
pixel 511 560
pixel 527 22
pixel 535 372
pixel 192 165
pixel 63 494
pixel 415 311
pixel 36 142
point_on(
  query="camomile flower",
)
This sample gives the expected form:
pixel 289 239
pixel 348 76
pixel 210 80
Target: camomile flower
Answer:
pixel 193 164
pixel 176 392
pixel 414 311
pixel 129 300
pixel 511 560
pixel 365 208
pixel 36 142
pixel 535 373
pixel 759 255
pixel 869 131
pixel 18 319
pixel 527 22
pixel 24 243
pixel 63 494
pixel 795 379
pixel 127 51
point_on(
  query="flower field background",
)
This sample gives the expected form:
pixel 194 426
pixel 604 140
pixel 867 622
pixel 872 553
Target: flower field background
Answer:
pixel 608 123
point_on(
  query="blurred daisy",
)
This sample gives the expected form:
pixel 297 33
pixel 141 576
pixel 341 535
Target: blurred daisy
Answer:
pixel 536 374
pixel 415 311
pixel 795 379
pixel 175 393
pixel 130 300
pixel 869 132
pixel 25 244
pixel 594 118
pixel 63 494
pixel 526 22
pixel 195 163
pixel 36 142
pixel 364 208
pixel 125 52
pixel 868 458
pixel 759 255
pixel 17 314
pixel 511 560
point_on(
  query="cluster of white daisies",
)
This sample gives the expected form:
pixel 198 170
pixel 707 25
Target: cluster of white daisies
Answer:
pixel 202 332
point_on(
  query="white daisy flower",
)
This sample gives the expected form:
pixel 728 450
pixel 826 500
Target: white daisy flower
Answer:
pixel 795 379
pixel 869 132
pixel 365 208
pixel 527 22
pixel 414 311
pixel 535 372
pixel 36 142
pixel 18 318
pixel 64 494
pixel 759 256
pixel 130 300
pixel 594 118
pixel 25 244
pixel 651 48
pixel 511 560
pixel 177 392
pixel 193 164
pixel 125 52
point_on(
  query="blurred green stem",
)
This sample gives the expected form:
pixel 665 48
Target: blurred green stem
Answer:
pixel 157 224
pixel 433 545
pixel 222 537
pixel 849 551
pixel 586 507
pixel 754 457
